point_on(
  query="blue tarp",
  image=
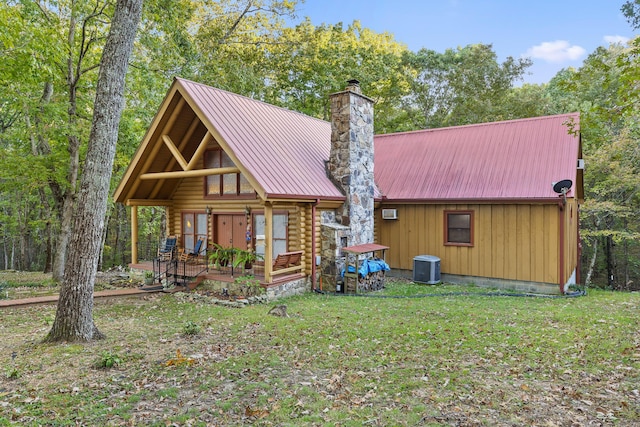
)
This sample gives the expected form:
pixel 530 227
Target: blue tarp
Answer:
pixel 368 266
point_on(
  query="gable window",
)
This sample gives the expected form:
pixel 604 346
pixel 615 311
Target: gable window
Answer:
pixel 228 184
pixel 458 228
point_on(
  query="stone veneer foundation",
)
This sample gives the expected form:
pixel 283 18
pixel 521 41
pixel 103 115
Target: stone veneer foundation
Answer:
pixel 272 292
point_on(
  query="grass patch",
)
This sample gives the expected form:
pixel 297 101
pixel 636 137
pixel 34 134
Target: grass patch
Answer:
pixel 458 358
pixel 17 279
pixel 20 284
pixel 411 289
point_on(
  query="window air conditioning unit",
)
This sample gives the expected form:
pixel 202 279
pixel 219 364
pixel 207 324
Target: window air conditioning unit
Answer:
pixel 389 214
pixel 426 269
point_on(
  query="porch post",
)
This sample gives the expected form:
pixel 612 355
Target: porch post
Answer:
pixel 134 234
pixel 268 241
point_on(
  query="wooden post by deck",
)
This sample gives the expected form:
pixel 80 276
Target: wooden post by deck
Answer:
pixel 268 241
pixel 134 234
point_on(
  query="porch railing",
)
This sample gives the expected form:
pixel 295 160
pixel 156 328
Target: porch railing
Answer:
pixel 176 272
pixel 148 251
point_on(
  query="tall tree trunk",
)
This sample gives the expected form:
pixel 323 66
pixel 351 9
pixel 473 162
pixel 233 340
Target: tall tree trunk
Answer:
pixel 48 257
pixel 74 315
pixel 592 263
pixel 625 259
pixel 22 238
pixel 3 260
pixel 12 262
pixel 609 258
pixel 66 221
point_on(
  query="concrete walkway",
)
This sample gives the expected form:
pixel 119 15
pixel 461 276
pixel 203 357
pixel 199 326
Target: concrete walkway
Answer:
pixel 112 293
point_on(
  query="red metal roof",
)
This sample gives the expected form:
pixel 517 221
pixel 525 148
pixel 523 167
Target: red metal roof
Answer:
pixel 283 150
pixel 285 153
pixel 517 159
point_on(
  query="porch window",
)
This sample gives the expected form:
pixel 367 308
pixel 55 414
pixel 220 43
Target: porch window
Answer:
pixel 280 228
pixel 228 184
pixel 458 228
pixel 194 226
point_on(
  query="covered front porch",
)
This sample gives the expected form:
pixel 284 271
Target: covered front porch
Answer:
pixel 262 233
pixel 179 276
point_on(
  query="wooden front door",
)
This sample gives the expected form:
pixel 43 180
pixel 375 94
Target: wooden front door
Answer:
pixel 231 231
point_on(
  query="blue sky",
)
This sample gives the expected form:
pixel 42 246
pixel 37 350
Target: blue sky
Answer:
pixel 554 34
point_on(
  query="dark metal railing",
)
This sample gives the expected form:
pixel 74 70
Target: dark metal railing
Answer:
pixel 177 272
pixel 148 251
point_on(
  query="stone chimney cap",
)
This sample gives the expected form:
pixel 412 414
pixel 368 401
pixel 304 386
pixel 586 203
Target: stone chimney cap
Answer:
pixel 353 86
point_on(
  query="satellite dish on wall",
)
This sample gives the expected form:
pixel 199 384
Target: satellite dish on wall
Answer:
pixel 562 187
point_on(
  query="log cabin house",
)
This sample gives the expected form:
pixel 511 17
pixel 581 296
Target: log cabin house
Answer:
pixel 243 173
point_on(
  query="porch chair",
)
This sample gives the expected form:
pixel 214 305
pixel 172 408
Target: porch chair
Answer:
pixel 192 256
pixel 167 248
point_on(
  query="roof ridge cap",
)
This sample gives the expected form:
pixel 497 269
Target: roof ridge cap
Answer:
pixel 552 116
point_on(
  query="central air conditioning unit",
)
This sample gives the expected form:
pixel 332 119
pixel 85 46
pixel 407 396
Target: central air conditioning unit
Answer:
pixel 426 269
pixel 389 214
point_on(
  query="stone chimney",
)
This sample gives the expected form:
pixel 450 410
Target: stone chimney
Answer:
pixel 350 163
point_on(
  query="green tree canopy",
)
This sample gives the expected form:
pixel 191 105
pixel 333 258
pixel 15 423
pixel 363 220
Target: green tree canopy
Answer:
pixel 460 86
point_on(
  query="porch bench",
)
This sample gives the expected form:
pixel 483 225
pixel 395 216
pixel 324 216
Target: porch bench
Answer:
pixel 286 262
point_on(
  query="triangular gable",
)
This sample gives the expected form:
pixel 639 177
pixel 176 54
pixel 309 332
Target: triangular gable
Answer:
pixel 280 152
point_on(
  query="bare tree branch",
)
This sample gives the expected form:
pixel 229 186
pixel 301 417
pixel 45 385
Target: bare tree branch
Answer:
pixel 237 22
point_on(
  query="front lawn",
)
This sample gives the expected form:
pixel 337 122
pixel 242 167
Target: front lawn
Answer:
pixel 452 359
